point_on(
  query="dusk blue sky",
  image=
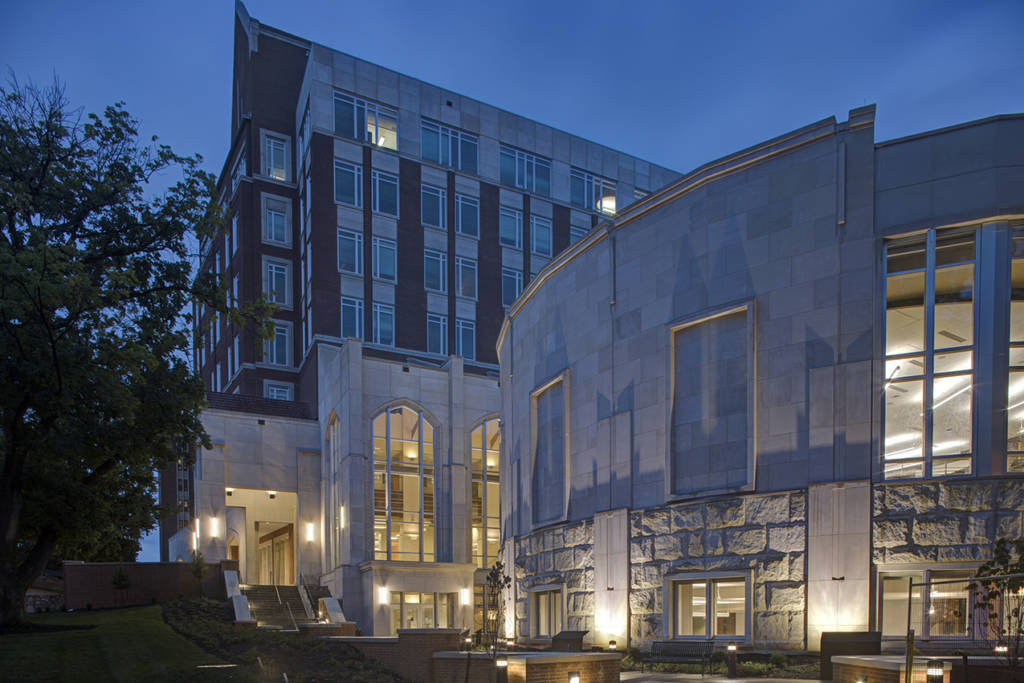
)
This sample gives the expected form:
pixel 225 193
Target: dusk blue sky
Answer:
pixel 678 83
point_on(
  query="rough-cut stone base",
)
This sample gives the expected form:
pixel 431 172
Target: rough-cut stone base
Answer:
pixel 932 522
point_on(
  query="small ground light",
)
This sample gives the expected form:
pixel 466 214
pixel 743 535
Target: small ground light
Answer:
pixel 612 644
pixel 574 677
pixel 935 671
pixel 731 660
pixel 862 679
pixel 1001 649
pixel 501 662
pixel 731 647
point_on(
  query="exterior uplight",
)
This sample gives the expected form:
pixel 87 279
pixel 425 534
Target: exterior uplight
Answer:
pixel 464 594
pixel 382 595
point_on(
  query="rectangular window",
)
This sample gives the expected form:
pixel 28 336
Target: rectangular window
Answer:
pixel 216 378
pixel 510 227
pixel 350 252
pixel 276 221
pixel 465 339
pixel 449 146
pixel 275 157
pixel 385 193
pixel 711 438
pixel 524 170
pixel 365 121
pixel 577 233
pixel 941 606
pixel 275 349
pixel 234 235
pixel 467 215
pixel 547 611
pixel 435 271
pixel 276 282
pixel 465 277
pixel 385 255
pixel 707 608
pixel 434 207
pixel 384 324
pixel 540 235
pixel 238 352
pixel 929 378
pixel 511 286
pixel 348 183
pixel 437 334
pixel 277 391
pixel 351 317
pixel 549 452
pixel 592 192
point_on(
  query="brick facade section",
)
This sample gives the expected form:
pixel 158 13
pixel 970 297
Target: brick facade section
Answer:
pixel 90 584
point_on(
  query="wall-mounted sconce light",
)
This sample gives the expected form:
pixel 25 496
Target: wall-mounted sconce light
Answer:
pixel 310 532
pixel 464 594
pixel 574 677
pixel 214 527
pixel 382 595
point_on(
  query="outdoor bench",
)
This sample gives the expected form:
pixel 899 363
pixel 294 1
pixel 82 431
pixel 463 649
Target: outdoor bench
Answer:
pixel 679 652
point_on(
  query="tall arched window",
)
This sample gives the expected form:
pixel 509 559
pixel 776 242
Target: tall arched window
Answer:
pixel 485 443
pixel 403 486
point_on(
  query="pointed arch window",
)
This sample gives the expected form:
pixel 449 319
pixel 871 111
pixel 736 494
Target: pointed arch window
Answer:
pixel 403 486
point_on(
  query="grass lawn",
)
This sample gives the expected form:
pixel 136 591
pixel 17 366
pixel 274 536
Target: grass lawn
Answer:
pixel 130 644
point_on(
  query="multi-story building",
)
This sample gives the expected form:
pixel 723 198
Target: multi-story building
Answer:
pixel 393 223
pixel 756 405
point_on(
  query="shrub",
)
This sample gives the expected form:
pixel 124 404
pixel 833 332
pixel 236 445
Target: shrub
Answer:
pixel 778 660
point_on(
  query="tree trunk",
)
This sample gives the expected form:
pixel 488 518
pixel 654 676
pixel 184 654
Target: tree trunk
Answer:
pixel 12 601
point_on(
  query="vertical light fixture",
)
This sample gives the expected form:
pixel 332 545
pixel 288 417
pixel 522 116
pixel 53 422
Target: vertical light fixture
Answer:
pixel 382 595
pixel 310 532
pixel 464 594
pixel 214 527
pixel 341 517
pixel 935 670
pixel 574 677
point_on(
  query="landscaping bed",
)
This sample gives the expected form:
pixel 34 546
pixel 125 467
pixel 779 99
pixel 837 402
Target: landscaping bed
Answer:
pixel 749 665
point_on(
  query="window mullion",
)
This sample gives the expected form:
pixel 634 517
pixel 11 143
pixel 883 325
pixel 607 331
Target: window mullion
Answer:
pixel 709 609
pixel 929 354
pixel 423 510
pixel 387 486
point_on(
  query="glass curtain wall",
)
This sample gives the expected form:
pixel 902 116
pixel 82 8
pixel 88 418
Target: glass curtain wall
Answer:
pixel 929 349
pixel 1015 391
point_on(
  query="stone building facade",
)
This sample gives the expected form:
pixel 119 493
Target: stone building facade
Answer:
pixel 393 222
pixel 760 402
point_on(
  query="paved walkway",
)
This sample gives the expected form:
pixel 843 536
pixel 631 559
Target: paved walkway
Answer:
pixel 652 677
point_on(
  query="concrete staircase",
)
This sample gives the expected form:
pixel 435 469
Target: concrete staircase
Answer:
pixel 271 612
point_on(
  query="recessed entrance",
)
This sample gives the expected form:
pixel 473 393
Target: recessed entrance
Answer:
pixel 275 554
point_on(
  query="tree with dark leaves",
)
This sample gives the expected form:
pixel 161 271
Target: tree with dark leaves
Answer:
pixel 95 278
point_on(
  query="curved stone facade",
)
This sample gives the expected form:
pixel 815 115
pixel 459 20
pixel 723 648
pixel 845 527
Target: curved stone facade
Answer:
pixel 695 396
